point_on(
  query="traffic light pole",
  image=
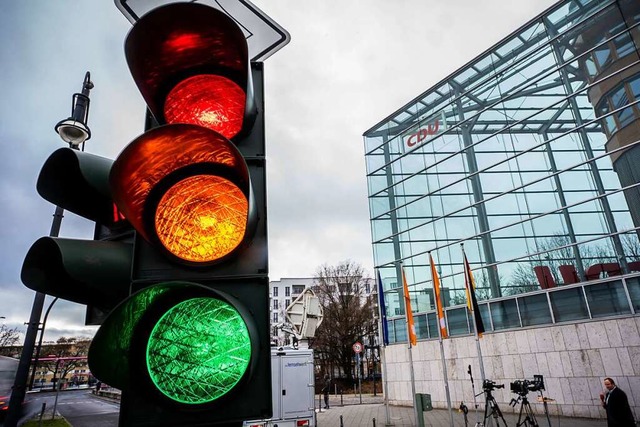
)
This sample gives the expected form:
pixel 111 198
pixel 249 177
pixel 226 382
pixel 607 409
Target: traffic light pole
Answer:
pixel 20 384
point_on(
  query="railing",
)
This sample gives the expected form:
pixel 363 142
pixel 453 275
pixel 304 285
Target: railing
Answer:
pixel 613 296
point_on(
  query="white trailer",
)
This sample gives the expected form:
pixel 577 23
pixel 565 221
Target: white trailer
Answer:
pixel 292 385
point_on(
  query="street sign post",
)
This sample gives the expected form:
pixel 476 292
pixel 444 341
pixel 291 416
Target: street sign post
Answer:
pixel 357 347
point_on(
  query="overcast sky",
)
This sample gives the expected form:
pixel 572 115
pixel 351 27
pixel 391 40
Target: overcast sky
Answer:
pixel 349 65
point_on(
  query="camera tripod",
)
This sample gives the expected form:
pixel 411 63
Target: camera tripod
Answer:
pixel 525 409
pixel 491 409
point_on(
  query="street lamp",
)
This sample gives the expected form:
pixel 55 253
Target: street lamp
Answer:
pixel 73 131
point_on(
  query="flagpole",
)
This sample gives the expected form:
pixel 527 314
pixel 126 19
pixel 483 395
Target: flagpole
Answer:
pixel 384 340
pixel 475 325
pixel 436 282
pixel 410 335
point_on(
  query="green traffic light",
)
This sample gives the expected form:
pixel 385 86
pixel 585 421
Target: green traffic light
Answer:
pixel 198 350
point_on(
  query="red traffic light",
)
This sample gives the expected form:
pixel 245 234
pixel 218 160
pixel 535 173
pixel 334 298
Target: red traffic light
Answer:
pixel 188 189
pixel 190 62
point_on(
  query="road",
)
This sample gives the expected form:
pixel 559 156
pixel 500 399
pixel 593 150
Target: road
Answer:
pixel 79 407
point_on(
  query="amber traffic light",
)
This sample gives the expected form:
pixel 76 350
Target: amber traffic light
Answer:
pixel 186 188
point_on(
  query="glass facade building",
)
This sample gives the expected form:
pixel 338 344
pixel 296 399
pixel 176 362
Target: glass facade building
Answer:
pixel 529 158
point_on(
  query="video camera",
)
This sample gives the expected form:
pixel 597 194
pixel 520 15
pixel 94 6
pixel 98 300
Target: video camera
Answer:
pixel 488 385
pixel 522 387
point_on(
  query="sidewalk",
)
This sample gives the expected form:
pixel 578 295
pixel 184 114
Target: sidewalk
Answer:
pixel 363 415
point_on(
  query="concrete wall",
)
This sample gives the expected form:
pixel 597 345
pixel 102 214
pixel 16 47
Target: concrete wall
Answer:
pixel 573 358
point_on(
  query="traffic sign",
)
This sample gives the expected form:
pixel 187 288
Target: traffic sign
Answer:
pixel 357 347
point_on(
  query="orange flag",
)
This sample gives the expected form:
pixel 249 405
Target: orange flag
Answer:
pixel 411 327
pixel 436 291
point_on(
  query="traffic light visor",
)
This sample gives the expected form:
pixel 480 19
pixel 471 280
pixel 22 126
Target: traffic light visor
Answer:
pixel 191 64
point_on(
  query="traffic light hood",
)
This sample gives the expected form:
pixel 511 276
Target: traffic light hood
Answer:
pixel 191 64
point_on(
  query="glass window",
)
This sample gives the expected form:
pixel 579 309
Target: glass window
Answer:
pixel 275 317
pixel 432 320
pixel 486 318
pixel 607 299
pixel 287 291
pixel 275 291
pixel 608 122
pixel 624 45
pixel 392 332
pixel 458 321
pixel 504 314
pixel 591 66
pixel 568 304
pixel 634 85
pixel 534 310
pixel 633 285
pixel 400 326
pixel 603 56
pixel 287 303
pixel 297 289
pixel 422 329
pixel 275 304
pixel 620 99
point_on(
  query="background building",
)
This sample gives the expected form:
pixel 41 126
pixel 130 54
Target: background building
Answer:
pixel 529 157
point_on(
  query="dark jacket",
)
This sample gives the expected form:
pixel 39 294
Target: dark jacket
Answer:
pixel 618 410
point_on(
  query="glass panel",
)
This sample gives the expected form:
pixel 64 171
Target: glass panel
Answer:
pixel 591 66
pixel 458 322
pixel 635 87
pixel 534 310
pixel 568 304
pixel 624 45
pixel 392 332
pixel 400 326
pixel 608 122
pixel 620 99
pixel 633 285
pixel 607 299
pixel 484 313
pixel 504 314
pixel 432 319
pixel 603 56
pixel 422 330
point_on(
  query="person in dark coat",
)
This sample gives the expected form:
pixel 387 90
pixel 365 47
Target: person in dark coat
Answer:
pixel 326 389
pixel 615 402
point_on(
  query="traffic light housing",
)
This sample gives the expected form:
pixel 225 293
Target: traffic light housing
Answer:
pixel 190 346
pixel 92 272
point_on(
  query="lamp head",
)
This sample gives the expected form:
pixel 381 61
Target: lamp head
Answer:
pixel 74 130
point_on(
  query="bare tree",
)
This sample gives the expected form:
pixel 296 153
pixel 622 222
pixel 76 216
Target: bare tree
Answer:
pixel 8 336
pixel 349 313
pixel 64 347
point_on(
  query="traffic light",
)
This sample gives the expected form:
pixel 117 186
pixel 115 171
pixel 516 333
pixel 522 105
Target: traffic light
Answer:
pixel 92 272
pixel 190 346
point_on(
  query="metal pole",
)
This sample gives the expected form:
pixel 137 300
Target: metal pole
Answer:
pixel 18 390
pixel 359 362
pixel 39 346
pixel 57 385
pixel 79 113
